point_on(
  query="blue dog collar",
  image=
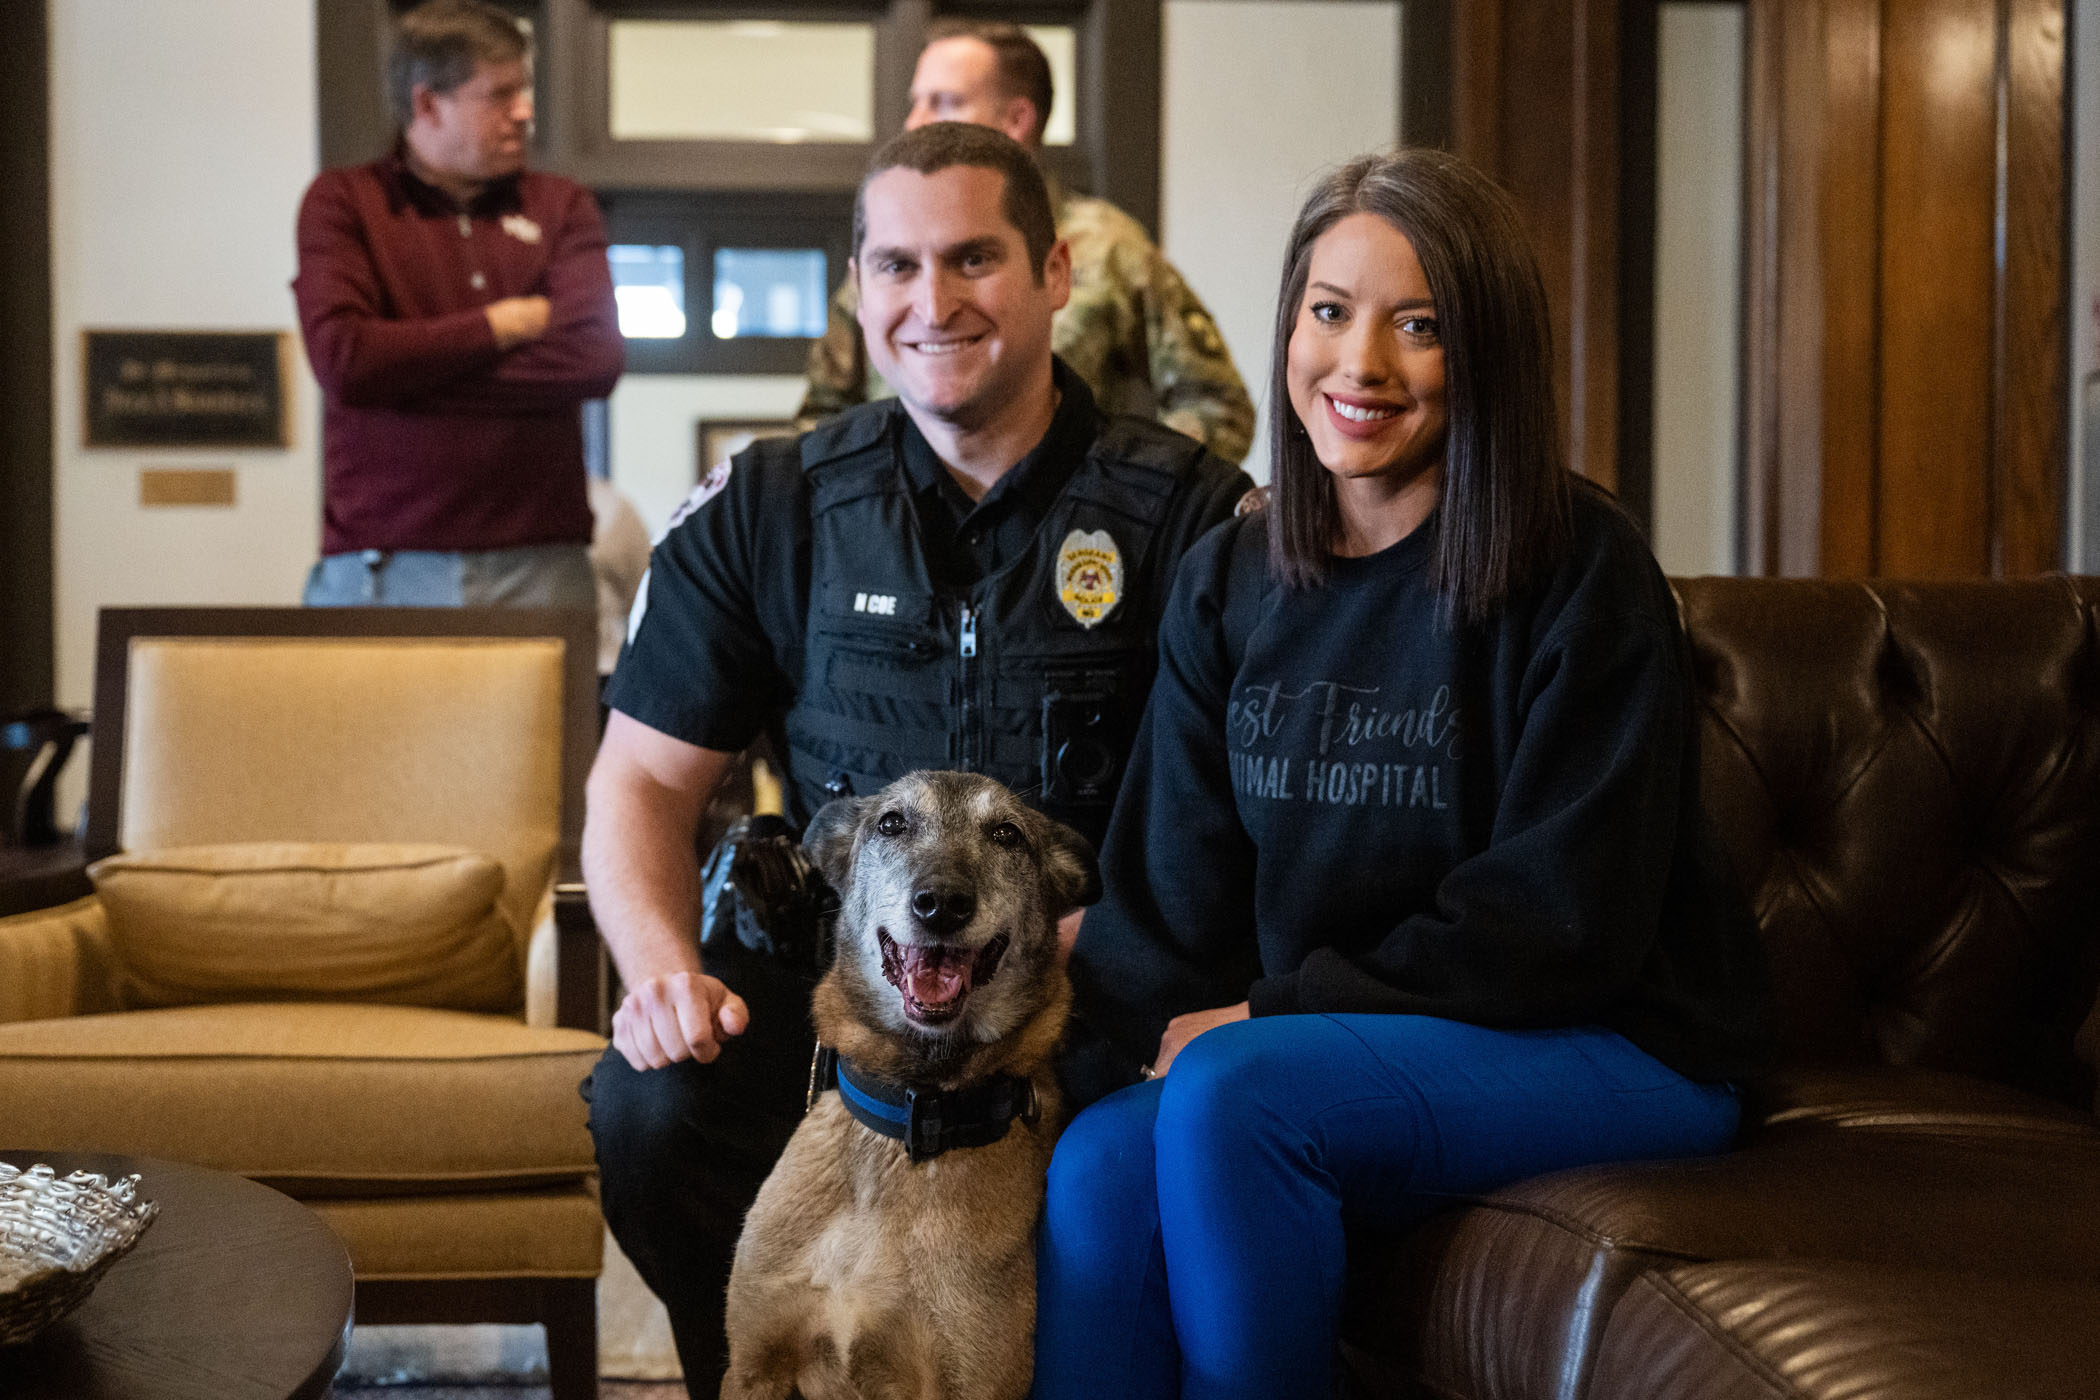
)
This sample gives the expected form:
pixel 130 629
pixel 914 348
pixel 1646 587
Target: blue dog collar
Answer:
pixel 928 1122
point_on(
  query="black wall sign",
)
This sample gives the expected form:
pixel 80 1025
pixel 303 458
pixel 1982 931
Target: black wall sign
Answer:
pixel 186 388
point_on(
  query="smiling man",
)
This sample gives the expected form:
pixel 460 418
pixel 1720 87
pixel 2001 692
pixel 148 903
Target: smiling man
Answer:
pixel 458 311
pixel 969 575
pixel 1132 328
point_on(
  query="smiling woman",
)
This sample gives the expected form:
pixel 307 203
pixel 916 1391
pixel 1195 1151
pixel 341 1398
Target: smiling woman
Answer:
pixel 1406 892
pixel 1366 372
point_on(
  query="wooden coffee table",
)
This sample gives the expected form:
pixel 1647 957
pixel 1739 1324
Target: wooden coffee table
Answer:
pixel 237 1292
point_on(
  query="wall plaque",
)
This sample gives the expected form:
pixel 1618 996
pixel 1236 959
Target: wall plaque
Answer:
pixel 186 388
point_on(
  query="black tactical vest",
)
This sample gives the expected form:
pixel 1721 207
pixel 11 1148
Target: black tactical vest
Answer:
pixel 1000 678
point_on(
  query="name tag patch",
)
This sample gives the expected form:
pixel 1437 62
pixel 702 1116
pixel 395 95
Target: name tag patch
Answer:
pixel 880 604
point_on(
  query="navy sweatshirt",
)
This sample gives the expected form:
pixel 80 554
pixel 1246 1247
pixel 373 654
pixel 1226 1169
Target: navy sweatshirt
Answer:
pixel 1349 806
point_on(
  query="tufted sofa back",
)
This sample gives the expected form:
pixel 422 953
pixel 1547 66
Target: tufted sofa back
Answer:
pixel 1907 776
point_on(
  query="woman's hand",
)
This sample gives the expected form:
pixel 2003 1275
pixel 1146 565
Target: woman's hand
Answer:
pixel 1185 1028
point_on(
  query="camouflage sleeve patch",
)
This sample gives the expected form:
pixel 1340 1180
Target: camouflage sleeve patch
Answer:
pixel 837 368
pixel 1203 332
pixel 1192 370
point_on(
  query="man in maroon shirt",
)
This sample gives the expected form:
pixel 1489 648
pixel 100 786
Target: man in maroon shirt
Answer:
pixel 458 311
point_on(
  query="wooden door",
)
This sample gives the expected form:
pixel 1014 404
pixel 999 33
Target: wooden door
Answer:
pixel 1905 321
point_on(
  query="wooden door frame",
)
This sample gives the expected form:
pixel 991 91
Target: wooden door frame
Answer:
pixel 27 671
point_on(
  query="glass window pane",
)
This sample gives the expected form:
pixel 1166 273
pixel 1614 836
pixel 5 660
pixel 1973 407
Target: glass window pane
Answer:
pixel 769 292
pixel 1060 44
pixel 742 80
pixel 649 289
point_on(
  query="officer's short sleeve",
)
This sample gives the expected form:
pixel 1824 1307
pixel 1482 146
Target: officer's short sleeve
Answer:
pixel 702 659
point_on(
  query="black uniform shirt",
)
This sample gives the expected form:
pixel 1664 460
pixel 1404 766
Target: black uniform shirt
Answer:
pixel 714 644
pixel 966 540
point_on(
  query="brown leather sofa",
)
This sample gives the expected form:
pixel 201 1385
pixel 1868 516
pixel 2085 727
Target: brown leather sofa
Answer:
pixel 1908 779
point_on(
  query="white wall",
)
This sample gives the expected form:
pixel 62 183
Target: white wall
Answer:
pixel 655 429
pixel 181 138
pixel 1233 170
pixel 1698 287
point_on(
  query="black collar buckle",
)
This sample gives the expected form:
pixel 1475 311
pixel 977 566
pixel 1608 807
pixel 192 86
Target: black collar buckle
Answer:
pixel 928 1122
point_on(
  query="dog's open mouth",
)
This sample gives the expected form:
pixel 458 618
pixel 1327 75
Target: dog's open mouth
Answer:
pixel 935 978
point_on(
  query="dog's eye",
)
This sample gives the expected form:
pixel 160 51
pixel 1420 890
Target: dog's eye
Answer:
pixel 890 824
pixel 1007 834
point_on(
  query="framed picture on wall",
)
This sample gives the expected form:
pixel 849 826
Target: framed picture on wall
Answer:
pixel 723 438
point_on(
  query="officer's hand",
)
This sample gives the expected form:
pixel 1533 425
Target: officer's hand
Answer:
pixel 516 320
pixel 684 1016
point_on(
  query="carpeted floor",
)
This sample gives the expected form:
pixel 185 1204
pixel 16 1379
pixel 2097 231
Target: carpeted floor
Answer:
pixel 607 1390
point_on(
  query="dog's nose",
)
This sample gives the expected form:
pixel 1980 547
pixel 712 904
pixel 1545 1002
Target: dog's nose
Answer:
pixel 943 910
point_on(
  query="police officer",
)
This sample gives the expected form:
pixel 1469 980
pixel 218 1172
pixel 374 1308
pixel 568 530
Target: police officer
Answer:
pixel 969 575
pixel 1132 330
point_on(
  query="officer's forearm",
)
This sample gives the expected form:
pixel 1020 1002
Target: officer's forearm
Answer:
pixel 642 873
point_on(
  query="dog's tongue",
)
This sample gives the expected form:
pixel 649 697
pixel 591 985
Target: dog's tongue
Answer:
pixel 936 976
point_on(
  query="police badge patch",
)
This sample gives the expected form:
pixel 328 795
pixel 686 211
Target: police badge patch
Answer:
pixel 1089 576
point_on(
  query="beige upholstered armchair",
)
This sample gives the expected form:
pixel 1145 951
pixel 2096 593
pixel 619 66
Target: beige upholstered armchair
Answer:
pixel 340 944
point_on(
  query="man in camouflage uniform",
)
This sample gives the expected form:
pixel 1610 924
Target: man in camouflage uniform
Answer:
pixel 1133 330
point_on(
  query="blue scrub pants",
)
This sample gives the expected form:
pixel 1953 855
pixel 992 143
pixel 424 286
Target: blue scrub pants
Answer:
pixel 1192 1235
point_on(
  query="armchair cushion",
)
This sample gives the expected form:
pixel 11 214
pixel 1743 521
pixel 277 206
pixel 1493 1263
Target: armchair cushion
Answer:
pixel 56 962
pixel 412 925
pixel 316 1098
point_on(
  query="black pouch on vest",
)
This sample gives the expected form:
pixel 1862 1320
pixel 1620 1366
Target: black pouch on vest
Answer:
pixel 759 889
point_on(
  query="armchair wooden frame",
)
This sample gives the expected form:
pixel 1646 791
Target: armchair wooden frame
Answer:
pixel 566 1307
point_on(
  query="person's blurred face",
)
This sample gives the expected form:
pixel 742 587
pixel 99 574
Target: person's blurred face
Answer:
pixel 954 315
pixel 478 131
pixel 1366 365
pixel 957 80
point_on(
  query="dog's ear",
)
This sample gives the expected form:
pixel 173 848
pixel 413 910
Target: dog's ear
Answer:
pixel 829 837
pixel 1070 868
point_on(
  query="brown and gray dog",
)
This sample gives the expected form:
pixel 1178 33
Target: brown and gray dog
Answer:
pixel 877 1267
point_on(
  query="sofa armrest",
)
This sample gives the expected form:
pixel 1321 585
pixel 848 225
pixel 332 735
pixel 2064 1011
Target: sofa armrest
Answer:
pixel 57 962
pixel 580 965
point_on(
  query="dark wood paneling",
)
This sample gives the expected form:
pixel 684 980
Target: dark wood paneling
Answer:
pixel 1764 105
pixel 1904 339
pixel 1426 116
pixel 1535 159
pixel 1640 27
pixel 26 679
pixel 1475 63
pixel 349 67
pixel 1841 409
pixel 1535 102
pixel 1116 156
pixel 1120 49
pixel 1593 320
pixel 2033 380
pixel 1938 153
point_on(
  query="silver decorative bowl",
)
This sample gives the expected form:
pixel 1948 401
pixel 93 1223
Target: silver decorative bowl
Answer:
pixel 57 1239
